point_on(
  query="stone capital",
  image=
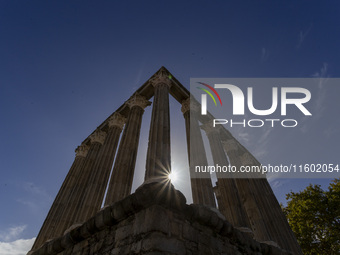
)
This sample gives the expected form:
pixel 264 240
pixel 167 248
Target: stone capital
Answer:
pixel 98 136
pixel 209 128
pixel 230 145
pixel 189 104
pixel 138 100
pixel 161 78
pixel 81 150
pixel 117 120
pixel 185 105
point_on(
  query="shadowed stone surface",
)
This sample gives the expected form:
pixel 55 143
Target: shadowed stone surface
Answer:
pixel 156 220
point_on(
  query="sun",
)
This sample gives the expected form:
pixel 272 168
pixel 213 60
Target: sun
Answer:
pixel 172 176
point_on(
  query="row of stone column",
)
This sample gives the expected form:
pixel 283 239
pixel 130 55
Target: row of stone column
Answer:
pixel 244 202
pixel 83 190
pixel 264 212
pixel 247 203
pixel 51 222
pixel 123 171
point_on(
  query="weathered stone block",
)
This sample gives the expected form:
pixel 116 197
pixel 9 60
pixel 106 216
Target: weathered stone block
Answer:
pixel 123 232
pixel 157 227
pixel 227 229
pixel 75 235
pixel 55 246
pixel 160 242
pixel 103 218
pixel 121 250
pixel 189 233
pixel 191 246
pixel 118 212
pixel 176 228
pixel 67 241
pixel 136 247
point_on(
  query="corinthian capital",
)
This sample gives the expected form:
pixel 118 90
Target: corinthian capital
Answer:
pixel 138 100
pixel 190 104
pixel 98 136
pixel 209 128
pixel 82 150
pixel 185 105
pixel 117 120
pixel 162 77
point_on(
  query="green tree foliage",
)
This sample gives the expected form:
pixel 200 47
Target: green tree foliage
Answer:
pixel 314 216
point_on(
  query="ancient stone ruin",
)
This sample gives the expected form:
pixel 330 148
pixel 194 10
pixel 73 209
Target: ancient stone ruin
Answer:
pixel 237 216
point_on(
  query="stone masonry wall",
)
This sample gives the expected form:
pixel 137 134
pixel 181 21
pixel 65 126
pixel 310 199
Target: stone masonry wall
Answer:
pixel 156 220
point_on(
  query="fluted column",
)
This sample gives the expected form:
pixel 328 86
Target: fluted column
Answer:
pixel 158 160
pixel 248 197
pixel 275 221
pixel 76 194
pixel 230 203
pixel 47 230
pixel 124 167
pixel 202 190
pixel 100 173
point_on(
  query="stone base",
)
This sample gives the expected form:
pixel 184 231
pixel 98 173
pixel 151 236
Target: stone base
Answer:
pixel 156 220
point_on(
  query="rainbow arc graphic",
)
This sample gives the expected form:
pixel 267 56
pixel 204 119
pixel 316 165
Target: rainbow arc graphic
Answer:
pixel 209 93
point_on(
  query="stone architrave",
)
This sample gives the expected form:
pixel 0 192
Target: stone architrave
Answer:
pixel 202 190
pixel 100 174
pixel 48 230
pixel 124 167
pixel 158 159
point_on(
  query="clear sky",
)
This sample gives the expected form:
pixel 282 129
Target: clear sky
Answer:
pixel 65 66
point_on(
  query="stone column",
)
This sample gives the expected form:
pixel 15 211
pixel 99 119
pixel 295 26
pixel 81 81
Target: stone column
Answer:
pixel 47 230
pixel 100 173
pixel 124 167
pixel 278 229
pixel 202 190
pixel 158 160
pixel 74 201
pixel 248 197
pixel 230 203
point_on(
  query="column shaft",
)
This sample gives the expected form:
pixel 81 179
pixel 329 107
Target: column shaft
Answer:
pixel 95 191
pixel 77 192
pixel 248 198
pixel 276 222
pixel 269 225
pixel 158 161
pixel 202 190
pixel 124 167
pixel 230 203
pixel 47 230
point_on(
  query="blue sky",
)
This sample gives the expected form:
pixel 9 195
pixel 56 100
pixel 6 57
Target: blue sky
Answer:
pixel 66 66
